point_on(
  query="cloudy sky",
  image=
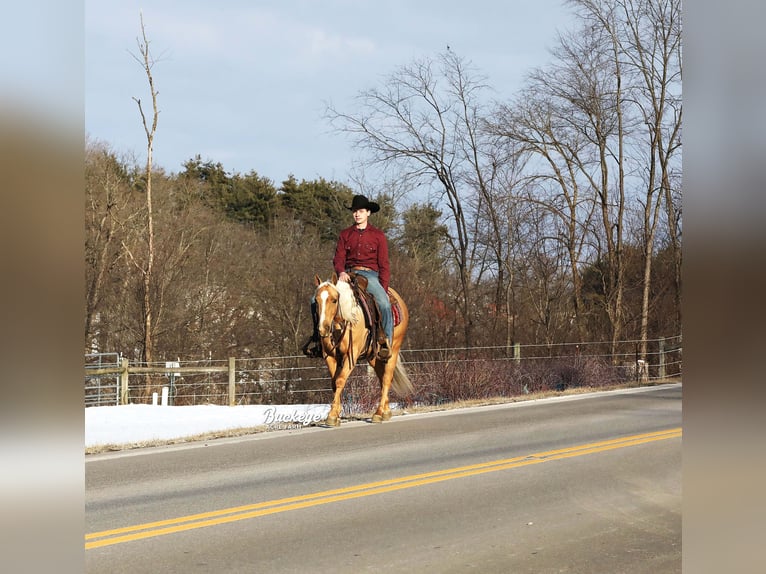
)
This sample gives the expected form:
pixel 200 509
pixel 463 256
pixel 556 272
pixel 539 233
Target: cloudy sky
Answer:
pixel 245 82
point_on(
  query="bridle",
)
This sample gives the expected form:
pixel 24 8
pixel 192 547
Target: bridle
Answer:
pixel 337 331
pixel 337 324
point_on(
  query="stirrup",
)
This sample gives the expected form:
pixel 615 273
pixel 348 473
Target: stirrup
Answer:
pixel 312 349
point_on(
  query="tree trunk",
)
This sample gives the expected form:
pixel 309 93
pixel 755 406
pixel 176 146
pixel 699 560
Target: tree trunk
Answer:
pixel 148 272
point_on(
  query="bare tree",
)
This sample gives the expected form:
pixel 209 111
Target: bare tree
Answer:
pixel 572 117
pixel 653 48
pixel 554 185
pixel 503 215
pixel 425 122
pixel 587 84
pixel 646 41
pixel 146 267
pixel 105 182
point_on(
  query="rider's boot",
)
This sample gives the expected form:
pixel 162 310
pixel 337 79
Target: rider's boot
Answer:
pixel 384 347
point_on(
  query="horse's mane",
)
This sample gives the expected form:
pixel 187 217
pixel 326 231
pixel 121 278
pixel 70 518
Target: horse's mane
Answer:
pixel 349 308
pixel 347 304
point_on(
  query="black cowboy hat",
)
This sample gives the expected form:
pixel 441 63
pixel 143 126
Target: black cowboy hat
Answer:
pixel 361 202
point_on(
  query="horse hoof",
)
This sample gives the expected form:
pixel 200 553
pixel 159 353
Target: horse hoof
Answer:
pixel 332 421
pixel 376 418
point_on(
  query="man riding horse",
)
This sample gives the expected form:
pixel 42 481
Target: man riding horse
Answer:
pixel 362 249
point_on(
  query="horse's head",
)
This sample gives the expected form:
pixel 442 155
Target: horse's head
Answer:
pixel 335 304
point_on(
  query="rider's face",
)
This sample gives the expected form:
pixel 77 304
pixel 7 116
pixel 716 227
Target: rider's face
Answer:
pixel 360 216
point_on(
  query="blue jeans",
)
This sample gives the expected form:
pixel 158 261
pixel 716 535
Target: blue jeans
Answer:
pixel 375 289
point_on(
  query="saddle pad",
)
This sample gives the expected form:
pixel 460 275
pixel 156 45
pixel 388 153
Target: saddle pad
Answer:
pixel 396 311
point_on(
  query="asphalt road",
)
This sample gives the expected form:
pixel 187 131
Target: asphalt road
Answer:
pixel 586 484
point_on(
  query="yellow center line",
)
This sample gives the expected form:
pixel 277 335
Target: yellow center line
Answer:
pixel 227 515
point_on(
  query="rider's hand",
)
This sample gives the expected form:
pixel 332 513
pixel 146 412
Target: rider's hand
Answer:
pixel 344 277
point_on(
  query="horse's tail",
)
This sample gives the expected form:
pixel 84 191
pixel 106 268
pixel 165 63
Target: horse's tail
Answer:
pixel 401 383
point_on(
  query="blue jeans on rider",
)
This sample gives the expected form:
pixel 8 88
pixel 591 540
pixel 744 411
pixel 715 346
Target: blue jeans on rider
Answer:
pixel 375 289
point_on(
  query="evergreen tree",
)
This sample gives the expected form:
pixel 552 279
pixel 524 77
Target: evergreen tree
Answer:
pixel 320 204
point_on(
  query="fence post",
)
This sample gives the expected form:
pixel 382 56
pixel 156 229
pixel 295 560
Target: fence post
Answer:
pixel 661 369
pixel 124 381
pixel 516 352
pixel 232 380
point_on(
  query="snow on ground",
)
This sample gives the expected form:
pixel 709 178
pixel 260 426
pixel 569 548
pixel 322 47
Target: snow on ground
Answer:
pixel 128 424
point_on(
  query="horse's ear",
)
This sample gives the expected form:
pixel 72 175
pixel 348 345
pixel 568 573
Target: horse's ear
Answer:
pixel 317 280
pixel 334 278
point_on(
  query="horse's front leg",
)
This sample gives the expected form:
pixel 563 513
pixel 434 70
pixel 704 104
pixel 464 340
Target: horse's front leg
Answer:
pixel 385 373
pixel 340 372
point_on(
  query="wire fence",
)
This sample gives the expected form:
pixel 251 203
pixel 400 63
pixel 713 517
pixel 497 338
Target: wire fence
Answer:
pixel 438 375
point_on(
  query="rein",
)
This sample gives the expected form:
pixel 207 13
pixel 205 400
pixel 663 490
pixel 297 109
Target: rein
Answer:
pixel 332 344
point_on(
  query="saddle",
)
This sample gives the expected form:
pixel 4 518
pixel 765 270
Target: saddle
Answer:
pixel 371 311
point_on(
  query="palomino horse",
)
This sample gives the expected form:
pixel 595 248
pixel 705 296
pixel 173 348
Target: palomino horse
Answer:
pixel 344 337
